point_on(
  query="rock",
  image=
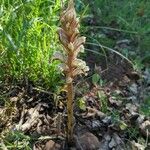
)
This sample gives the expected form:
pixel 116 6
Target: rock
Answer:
pixel 104 144
pixel 116 142
pixel 112 143
pixel 51 145
pixel 117 139
pixel 107 120
pixel 87 141
pixel 96 124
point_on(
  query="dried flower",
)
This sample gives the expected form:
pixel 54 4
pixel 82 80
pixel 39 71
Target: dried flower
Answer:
pixel 70 64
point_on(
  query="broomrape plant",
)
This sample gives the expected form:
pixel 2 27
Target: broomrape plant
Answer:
pixel 70 65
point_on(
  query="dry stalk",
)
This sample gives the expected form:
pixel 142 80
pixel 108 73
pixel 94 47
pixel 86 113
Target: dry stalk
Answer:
pixel 70 65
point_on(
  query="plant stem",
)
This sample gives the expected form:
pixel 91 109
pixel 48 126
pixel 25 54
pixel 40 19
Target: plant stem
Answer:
pixel 70 96
pixel 70 112
pixel 73 44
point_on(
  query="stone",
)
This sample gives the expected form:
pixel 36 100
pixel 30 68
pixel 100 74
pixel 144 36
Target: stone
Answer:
pixel 87 141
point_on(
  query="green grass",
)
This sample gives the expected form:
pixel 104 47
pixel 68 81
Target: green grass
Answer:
pixel 28 40
pixel 117 20
pixel 15 140
pixel 145 107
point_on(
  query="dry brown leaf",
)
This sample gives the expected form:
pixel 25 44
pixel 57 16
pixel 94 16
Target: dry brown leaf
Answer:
pixel 137 146
pixel 92 112
pixel 145 128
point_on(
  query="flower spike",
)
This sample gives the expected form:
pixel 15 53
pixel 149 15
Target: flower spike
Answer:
pixel 72 44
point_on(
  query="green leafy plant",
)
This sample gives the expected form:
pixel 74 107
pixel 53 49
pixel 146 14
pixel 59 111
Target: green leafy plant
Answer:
pixel 133 132
pixel 97 80
pixel 82 104
pixel 28 40
pixel 103 100
pixel 15 140
pixel 145 107
pixel 70 64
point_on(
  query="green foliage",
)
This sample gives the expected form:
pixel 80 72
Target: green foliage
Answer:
pixel 103 100
pixel 145 107
pixel 115 115
pixel 15 140
pixel 28 33
pixel 122 125
pixel 96 79
pixel 81 104
pixel 133 132
pixel 117 20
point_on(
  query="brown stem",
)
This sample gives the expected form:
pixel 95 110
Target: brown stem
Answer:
pixel 71 41
pixel 70 96
pixel 70 112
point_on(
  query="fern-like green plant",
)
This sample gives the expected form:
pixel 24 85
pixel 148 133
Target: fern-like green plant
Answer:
pixel 70 64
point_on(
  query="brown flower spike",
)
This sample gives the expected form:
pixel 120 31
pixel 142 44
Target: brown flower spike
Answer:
pixel 70 64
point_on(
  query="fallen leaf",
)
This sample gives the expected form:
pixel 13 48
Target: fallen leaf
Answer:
pixel 92 112
pixel 122 125
pixel 145 128
pixel 82 104
pixel 115 103
pixel 137 146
